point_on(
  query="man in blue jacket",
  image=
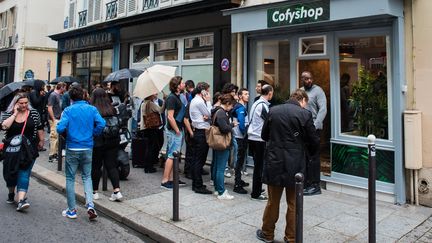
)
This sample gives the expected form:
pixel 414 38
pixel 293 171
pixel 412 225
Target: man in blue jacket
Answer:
pixel 81 122
pixel 239 133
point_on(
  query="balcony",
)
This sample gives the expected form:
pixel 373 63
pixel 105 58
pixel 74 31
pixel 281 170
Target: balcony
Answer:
pixel 82 18
pixel 150 4
pixel 111 10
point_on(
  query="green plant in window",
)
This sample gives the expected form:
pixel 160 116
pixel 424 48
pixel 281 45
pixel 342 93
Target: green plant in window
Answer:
pixel 369 97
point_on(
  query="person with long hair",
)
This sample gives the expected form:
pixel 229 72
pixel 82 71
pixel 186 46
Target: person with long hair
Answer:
pixel 221 120
pixel 106 146
pixel 21 115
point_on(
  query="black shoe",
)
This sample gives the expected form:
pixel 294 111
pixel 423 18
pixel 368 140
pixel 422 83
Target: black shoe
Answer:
pixel 240 190
pixel 243 183
pixel 202 190
pixel 204 172
pixel 11 198
pixel 311 191
pixel 150 170
pixel 260 236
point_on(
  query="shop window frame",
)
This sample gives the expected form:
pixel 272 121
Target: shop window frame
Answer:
pixel 338 136
pixel 300 46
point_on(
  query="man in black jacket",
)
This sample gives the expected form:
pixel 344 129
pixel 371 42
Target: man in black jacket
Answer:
pixel 287 130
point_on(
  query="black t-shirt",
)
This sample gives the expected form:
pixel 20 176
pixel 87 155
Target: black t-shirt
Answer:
pixel 173 102
pixel 17 127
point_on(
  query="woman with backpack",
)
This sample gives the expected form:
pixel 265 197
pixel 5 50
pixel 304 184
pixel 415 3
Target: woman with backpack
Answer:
pixel 106 145
pixel 221 120
pixel 150 125
pixel 20 119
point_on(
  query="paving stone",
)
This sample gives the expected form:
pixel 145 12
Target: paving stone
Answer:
pixel 396 226
pixel 322 235
pixel 346 224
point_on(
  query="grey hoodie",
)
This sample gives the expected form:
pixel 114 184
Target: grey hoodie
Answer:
pixel 317 105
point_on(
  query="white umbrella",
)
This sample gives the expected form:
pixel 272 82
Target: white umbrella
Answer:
pixel 153 80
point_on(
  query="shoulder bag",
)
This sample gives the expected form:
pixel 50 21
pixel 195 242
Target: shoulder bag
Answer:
pixel 151 119
pixel 215 139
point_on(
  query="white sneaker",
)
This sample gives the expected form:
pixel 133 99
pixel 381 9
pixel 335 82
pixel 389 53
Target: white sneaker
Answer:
pixel 225 196
pixel 96 196
pixel 245 173
pixel 227 174
pixel 116 197
pixel 216 193
pixel 211 183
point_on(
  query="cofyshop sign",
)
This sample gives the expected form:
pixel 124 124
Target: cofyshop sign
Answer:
pixel 298 14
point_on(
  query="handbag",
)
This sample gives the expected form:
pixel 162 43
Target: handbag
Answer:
pixel 215 139
pixel 151 119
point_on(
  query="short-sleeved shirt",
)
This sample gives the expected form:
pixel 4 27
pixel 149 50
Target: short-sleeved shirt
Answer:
pixel 173 102
pixel 54 100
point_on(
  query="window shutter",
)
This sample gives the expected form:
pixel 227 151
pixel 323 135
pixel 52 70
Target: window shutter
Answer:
pixel 132 6
pixel 72 15
pixel 97 10
pixel 90 11
pixel 121 10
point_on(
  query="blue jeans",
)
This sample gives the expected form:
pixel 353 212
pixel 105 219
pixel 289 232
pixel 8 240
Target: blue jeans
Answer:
pixel 75 159
pixel 174 143
pixel 234 152
pixel 24 179
pixel 220 162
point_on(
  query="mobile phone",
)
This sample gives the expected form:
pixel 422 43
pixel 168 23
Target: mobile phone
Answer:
pixel 204 93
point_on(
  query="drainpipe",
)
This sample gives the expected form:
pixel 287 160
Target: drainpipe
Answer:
pixel 24 12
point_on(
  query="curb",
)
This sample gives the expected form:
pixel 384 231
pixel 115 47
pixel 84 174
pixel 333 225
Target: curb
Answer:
pixel 124 213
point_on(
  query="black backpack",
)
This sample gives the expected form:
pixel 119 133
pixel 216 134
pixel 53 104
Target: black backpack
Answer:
pixel 112 128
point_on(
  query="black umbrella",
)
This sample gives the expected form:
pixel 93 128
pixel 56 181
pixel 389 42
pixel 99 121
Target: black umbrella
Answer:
pixel 64 79
pixel 10 88
pixel 29 82
pixel 124 73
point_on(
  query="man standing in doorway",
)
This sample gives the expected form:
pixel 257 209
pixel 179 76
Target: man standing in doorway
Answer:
pixel 175 114
pixel 54 113
pixel 258 88
pixel 317 105
pixel 258 115
pixel 288 128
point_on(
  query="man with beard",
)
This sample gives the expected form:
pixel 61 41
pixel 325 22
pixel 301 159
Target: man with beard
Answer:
pixel 317 105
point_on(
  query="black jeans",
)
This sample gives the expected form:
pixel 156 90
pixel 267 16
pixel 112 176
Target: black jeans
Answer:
pixel 240 160
pixel 257 148
pixel 313 168
pixel 189 154
pixel 153 147
pixel 200 150
pixel 108 158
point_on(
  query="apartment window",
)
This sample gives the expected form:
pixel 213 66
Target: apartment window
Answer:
pixel 165 50
pixel 3 30
pixel 198 47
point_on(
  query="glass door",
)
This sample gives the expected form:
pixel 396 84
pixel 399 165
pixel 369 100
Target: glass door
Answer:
pixel 320 70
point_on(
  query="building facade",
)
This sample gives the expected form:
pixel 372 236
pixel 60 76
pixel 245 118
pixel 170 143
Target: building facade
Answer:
pixel 355 51
pixel 24 45
pixel 102 36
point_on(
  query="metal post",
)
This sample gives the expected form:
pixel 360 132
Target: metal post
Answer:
pixel 59 152
pixel 104 179
pixel 299 177
pixel 176 186
pixel 372 188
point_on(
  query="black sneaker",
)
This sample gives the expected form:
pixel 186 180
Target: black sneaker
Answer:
pixel 260 236
pixel 312 191
pixel 182 183
pixel 23 205
pixel 51 158
pixel 149 170
pixel 243 183
pixel 240 190
pixel 202 190
pixel 11 198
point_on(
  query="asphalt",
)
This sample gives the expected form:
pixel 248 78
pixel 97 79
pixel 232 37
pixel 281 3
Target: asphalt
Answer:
pixel 329 217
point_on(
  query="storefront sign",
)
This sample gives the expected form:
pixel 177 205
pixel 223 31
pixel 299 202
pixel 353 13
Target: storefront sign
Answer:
pixel 86 41
pixel 225 64
pixel 299 14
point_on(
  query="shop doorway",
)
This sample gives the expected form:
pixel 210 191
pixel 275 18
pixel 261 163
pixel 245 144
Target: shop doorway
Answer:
pixel 320 70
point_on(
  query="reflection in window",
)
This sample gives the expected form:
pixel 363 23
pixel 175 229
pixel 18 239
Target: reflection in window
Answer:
pixel 272 64
pixel 141 53
pixel 82 59
pixel 198 47
pixel 363 86
pixel 165 50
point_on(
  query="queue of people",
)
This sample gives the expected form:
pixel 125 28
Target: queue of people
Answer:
pixel 282 140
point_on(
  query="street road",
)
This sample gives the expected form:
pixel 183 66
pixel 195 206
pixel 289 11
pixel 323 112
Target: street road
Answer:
pixel 43 221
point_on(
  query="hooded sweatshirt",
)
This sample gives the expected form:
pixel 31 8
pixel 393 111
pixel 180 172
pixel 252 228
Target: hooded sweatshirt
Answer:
pixel 259 111
pixel 240 114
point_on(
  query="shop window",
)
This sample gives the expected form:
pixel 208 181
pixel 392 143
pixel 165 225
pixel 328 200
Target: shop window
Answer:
pixel 312 46
pixel 198 47
pixel 82 60
pixel 364 75
pixel 141 53
pixel 272 64
pixel 166 51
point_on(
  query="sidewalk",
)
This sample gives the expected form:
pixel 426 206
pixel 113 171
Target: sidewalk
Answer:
pixel 330 217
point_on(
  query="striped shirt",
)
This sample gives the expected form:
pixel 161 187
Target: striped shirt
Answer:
pixel 34 115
